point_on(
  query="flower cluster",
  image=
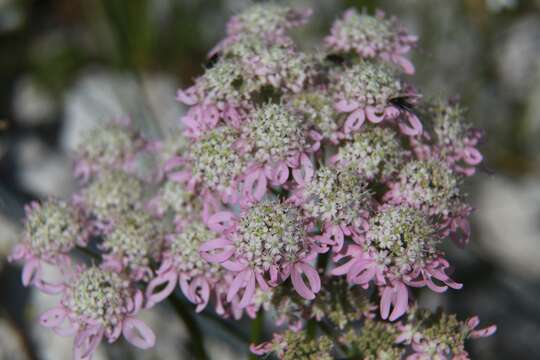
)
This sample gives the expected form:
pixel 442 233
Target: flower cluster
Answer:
pixel 301 182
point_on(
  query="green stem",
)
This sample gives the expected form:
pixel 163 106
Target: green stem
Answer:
pixel 257 331
pixel 196 343
pixel 332 334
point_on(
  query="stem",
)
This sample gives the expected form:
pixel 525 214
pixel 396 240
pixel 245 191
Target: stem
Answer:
pixel 332 334
pixel 257 331
pixel 196 343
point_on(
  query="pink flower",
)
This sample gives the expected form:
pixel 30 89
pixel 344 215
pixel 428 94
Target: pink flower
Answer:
pixel 372 37
pixel 368 91
pixel 113 145
pixel 52 230
pixel 183 265
pixel 268 239
pixel 399 250
pixel 453 141
pixel 97 304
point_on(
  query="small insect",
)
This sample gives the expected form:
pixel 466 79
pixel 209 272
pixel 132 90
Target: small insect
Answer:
pixel 212 61
pixel 404 102
pixel 335 58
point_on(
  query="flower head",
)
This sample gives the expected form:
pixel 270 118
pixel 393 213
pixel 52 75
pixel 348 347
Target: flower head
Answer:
pixel 267 17
pixel 335 196
pixel 439 335
pixel 296 345
pixel 377 340
pixel 183 264
pixel 368 90
pixel 216 159
pixel 98 303
pixel 454 140
pixel 275 133
pixel 112 193
pixel 318 110
pixel 268 238
pixel 427 185
pixel 370 37
pixel 110 146
pixel 374 153
pixel 133 243
pixel 52 229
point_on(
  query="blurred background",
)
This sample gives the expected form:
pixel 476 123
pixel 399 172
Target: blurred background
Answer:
pixel 67 64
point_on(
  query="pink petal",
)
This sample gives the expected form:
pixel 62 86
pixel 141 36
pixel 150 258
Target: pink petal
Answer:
pixel 235 266
pixel 220 221
pixel 87 341
pixel 49 288
pixel 354 121
pixel 249 290
pixel 305 173
pixel 186 98
pixel 52 318
pixel 200 290
pixel 415 127
pixel 183 281
pixel 484 332
pixel 372 116
pixel 405 64
pixel 261 281
pixel 361 273
pixel 225 250
pixel 30 271
pixel 313 279
pixel 236 285
pixel 169 279
pixel 401 302
pixel 346 106
pixel 255 191
pixel 473 322
pixel 281 174
pixel 138 333
pixel 344 268
pixel 472 156
pixel 386 301
pixel 180 176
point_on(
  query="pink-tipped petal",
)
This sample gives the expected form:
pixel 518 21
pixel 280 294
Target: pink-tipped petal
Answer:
pixel 255 185
pixel 414 126
pixel 220 221
pixel 138 333
pixel 373 116
pixel 490 330
pixel 217 251
pixel 305 172
pixel 52 318
pixel 406 65
pixel 169 280
pixel 312 276
pixel 401 302
pixel 354 121
pixel 472 156
pixel 386 301
pixel 281 174
pixel 200 290
pixel 186 98
pixel 249 290
pixel 30 271
pixel 346 106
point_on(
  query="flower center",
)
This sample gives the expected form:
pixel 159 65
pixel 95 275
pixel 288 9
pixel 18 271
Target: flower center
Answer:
pixel 53 228
pixel 216 162
pixel 271 233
